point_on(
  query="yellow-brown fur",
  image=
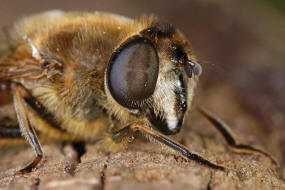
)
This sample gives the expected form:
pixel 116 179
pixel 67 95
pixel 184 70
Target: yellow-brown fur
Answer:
pixel 53 32
pixel 60 59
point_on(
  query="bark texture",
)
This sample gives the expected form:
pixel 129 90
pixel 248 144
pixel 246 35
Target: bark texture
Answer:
pixel 145 166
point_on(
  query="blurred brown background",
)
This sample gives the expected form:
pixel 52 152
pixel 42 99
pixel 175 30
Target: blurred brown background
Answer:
pixel 240 44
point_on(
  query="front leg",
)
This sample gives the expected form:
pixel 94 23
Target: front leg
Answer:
pixel 19 92
pixel 125 133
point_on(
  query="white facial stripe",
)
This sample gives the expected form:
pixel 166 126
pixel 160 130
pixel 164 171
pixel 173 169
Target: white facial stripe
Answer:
pixel 169 109
pixel 172 124
pixel 167 98
pixel 171 117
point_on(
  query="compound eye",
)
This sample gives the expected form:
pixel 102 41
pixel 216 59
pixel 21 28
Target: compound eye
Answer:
pixel 132 72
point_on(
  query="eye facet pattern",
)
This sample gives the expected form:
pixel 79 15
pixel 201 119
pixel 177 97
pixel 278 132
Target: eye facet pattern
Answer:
pixel 132 72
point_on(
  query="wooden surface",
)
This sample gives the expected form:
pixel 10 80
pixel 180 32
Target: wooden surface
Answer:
pixel 145 166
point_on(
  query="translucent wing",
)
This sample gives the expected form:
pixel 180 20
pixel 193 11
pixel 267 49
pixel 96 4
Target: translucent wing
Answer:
pixel 20 64
pixel 25 68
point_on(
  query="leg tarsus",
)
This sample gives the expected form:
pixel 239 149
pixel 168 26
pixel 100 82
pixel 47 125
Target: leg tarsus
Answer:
pixel 235 147
pixel 28 169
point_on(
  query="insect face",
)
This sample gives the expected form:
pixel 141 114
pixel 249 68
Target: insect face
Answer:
pixel 152 76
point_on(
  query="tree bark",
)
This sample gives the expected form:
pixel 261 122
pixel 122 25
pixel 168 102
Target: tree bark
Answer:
pixel 145 165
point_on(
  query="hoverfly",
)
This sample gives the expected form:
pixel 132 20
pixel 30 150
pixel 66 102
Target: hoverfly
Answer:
pixel 88 76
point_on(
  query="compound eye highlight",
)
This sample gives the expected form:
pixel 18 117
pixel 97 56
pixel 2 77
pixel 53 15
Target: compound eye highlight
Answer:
pixel 133 72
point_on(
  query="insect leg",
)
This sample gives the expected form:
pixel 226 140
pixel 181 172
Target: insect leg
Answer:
pixel 29 133
pixel 130 129
pixel 233 145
